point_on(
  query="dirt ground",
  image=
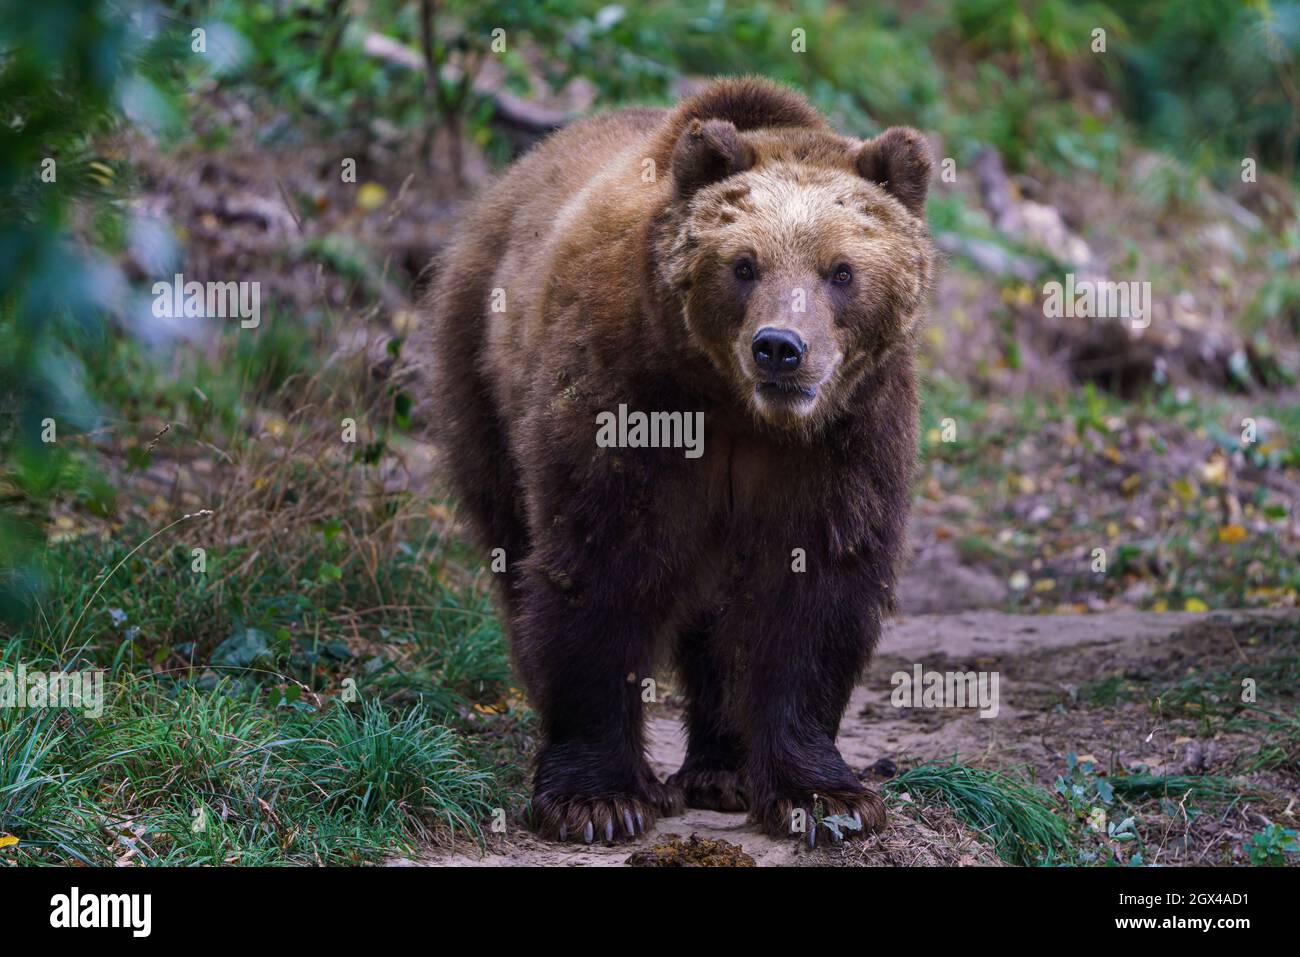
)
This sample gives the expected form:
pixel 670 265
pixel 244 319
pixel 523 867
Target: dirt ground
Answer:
pixel 1043 662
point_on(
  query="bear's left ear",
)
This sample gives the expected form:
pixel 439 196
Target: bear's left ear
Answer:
pixel 706 152
pixel 899 160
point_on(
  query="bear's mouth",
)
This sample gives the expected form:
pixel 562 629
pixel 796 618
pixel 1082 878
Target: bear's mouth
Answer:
pixel 785 391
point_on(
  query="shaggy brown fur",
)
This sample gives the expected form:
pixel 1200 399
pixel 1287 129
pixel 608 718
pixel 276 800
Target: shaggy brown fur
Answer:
pixel 633 259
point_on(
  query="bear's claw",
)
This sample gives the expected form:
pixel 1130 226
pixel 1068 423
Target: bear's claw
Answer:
pixel 826 818
pixel 610 819
pixel 584 820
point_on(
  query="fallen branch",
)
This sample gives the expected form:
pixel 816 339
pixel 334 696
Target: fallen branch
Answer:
pixel 510 111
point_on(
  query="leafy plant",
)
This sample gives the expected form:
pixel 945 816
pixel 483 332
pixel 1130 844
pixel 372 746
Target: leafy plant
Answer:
pixel 1273 847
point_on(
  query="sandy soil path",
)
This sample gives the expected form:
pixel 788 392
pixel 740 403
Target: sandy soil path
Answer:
pixel 1041 661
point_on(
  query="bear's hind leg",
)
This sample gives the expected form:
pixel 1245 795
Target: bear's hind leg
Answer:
pixel 470 429
pixel 711 775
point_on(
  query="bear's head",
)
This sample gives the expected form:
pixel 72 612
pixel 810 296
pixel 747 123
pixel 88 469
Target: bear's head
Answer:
pixel 801 259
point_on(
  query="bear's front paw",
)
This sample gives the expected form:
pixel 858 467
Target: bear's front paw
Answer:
pixel 589 819
pixel 714 789
pixel 831 817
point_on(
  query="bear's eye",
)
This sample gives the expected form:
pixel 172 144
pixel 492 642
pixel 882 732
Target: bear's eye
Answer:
pixel 745 270
pixel 842 276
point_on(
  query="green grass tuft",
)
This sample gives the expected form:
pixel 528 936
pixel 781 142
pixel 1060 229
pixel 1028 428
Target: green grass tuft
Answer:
pixel 1017 817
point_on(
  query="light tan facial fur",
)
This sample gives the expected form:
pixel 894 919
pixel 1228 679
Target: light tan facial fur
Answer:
pixel 833 257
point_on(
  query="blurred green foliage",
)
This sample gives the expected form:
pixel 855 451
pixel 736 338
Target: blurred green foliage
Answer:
pixel 1215 73
pixel 1223 73
pixel 62 64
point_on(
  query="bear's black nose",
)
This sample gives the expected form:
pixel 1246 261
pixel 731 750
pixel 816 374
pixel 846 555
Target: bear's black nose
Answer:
pixel 778 350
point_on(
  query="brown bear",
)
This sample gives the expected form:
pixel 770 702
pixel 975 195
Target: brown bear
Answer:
pixel 737 259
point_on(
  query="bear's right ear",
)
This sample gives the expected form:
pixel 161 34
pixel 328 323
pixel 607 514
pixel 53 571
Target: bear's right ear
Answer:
pixel 708 151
